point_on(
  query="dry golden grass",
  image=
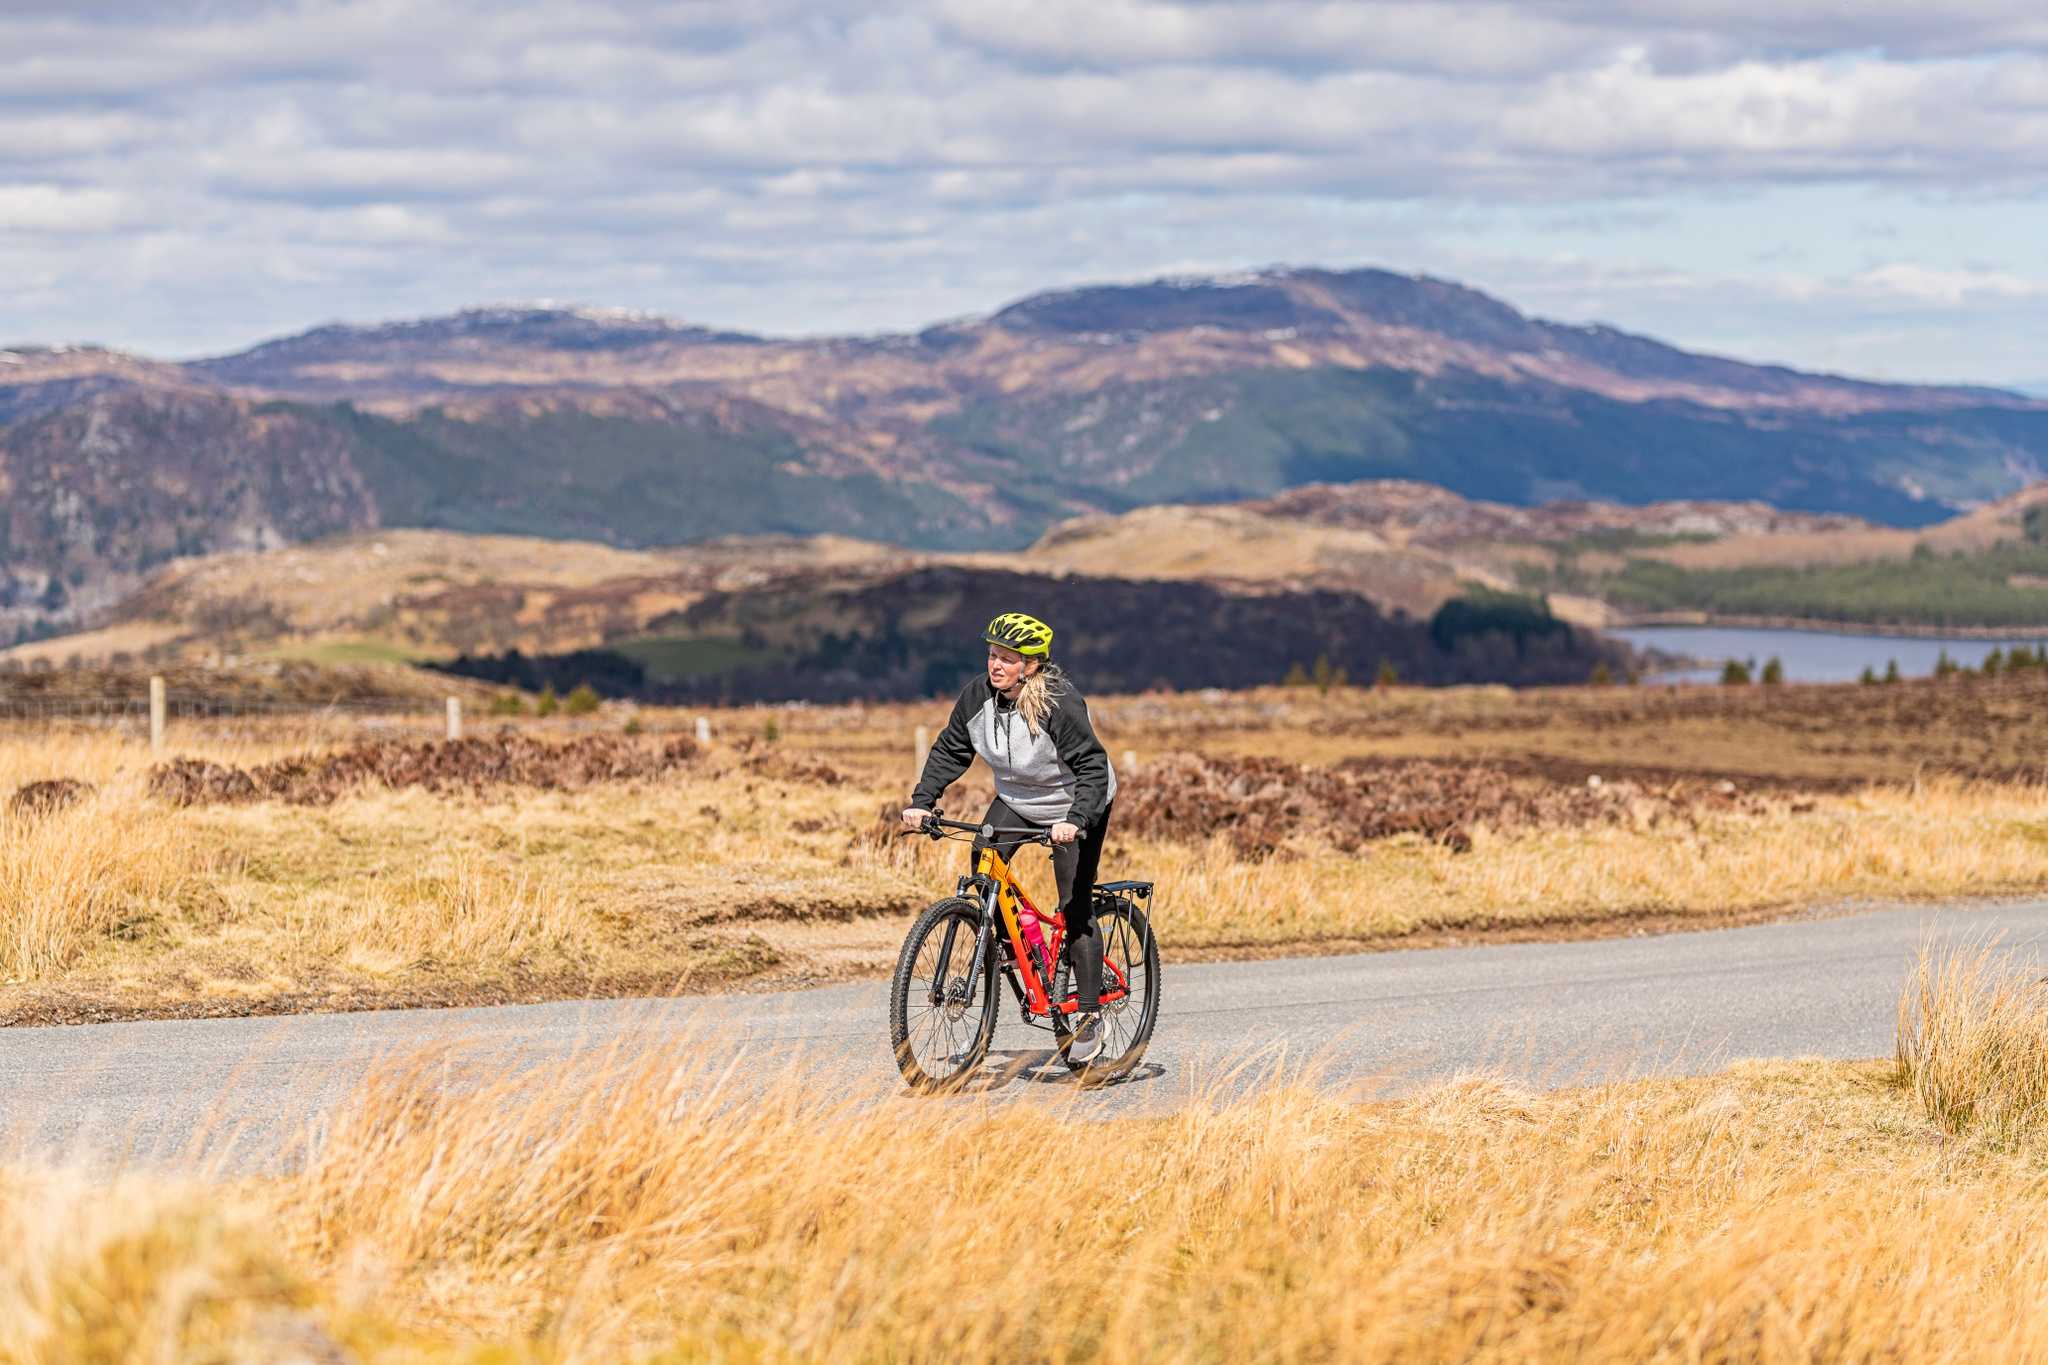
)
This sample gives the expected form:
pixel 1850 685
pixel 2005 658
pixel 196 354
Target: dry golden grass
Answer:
pixel 741 870
pixel 1946 839
pixel 630 1204
pixel 1973 1044
pixel 1839 734
pixel 127 638
pixel 625 1205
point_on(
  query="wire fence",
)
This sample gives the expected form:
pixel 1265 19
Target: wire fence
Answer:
pixel 153 714
pixel 196 707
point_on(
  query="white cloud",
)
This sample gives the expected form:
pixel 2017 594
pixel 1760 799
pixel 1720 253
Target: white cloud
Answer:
pixel 1923 284
pixel 58 136
pixel 1487 40
pixel 822 164
pixel 56 208
pixel 384 224
pixel 1864 117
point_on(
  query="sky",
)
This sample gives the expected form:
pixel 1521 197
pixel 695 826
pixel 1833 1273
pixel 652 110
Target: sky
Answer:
pixel 1860 188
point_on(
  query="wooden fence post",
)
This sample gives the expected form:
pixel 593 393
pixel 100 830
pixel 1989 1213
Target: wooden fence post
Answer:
pixel 703 729
pixel 1130 760
pixel 920 744
pixel 454 718
pixel 156 715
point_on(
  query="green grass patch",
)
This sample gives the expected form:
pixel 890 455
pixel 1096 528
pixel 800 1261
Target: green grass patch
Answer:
pixel 1986 588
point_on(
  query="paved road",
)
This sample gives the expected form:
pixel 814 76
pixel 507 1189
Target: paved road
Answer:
pixel 1550 1014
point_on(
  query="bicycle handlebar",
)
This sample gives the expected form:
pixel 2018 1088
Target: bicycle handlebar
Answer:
pixel 935 825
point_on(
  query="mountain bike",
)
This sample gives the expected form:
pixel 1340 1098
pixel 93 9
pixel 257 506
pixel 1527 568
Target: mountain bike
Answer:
pixel 942 999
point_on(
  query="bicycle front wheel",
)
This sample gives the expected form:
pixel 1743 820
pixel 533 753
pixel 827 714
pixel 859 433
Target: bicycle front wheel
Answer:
pixel 942 1007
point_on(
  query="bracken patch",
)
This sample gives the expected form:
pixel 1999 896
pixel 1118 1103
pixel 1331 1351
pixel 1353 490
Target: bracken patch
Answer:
pixel 49 796
pixel 439 766
pixel 762 760
pixel 1260 803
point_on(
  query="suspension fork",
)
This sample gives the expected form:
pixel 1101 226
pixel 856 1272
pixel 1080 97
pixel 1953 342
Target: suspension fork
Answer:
pixel 984 944
pixel 981 945
pixel 946 960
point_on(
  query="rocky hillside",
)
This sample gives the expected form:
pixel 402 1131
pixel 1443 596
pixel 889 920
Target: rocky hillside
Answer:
pixel 637 431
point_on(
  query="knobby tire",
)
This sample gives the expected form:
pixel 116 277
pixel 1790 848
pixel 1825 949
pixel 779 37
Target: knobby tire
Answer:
pixel 1126 940
pixel 939 1047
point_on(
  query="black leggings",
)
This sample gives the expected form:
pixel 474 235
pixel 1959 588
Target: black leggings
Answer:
pixel 1073 867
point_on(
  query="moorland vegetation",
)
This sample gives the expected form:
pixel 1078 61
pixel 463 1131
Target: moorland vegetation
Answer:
pixel 326 860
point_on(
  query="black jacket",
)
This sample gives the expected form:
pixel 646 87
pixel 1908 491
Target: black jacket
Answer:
pixel 1062 773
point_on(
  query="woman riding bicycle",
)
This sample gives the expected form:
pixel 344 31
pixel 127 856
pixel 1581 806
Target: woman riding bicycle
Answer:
pixel 1031 727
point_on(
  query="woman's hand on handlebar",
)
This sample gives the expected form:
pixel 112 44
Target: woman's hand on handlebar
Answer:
pixel 1065 832
pixel 914 818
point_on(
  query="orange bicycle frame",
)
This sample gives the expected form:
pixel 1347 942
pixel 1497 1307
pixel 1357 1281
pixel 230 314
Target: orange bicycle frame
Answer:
pixel 1037 991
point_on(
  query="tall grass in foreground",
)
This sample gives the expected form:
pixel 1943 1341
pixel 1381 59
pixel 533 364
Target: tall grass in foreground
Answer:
pixel 621 1206
pixel 1973 1044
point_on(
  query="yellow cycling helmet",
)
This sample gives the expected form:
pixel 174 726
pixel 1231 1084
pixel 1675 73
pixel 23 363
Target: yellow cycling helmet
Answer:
pixel 1027 635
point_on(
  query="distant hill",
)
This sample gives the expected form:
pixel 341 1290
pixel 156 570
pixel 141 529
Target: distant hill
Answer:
pixel 1412 545
pixel 404 596
pixel 1986 570
pixel 1403 548
pixel 637 431
pixel 913 634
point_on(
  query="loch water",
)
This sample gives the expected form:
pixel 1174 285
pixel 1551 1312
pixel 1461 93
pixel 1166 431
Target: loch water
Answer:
pixel 1809 655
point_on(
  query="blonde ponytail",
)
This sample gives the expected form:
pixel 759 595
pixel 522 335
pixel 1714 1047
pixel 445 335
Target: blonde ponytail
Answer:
pixel 1040 691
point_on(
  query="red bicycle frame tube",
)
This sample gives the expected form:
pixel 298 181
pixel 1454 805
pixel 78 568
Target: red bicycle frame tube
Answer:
pixel 1009 895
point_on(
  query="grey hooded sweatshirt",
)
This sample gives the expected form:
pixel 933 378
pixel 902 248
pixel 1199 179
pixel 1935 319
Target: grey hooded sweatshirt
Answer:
pixel 1060 773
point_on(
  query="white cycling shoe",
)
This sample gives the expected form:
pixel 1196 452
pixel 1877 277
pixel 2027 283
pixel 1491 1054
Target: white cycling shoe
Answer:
pixel 1086 1043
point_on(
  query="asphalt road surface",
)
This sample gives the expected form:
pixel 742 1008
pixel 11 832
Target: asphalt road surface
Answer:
pixel 234 1093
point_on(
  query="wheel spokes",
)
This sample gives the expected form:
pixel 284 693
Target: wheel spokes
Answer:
pixel 940 1036
pixel 1121 1021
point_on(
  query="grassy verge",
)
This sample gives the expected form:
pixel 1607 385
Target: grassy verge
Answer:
pixel 618 1207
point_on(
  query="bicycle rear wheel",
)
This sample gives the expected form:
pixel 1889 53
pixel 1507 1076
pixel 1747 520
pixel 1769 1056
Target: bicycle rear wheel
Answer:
pixel 1130 993
pixel 942 1011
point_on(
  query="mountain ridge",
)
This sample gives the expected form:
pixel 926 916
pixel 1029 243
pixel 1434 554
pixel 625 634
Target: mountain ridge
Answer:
pixel 1301 301
pixel 636 429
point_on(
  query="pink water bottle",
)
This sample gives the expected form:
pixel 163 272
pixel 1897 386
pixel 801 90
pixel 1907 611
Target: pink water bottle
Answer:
pixel 1027 921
